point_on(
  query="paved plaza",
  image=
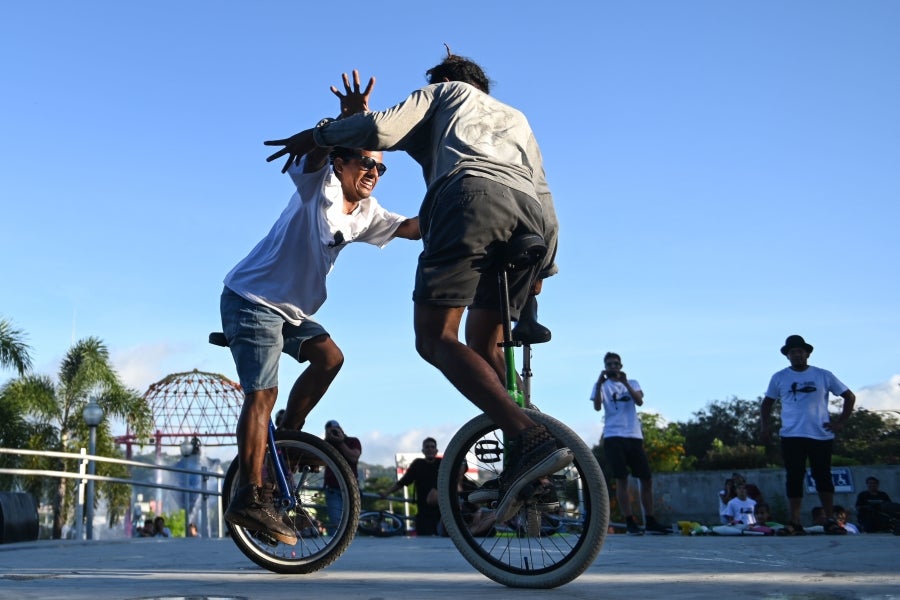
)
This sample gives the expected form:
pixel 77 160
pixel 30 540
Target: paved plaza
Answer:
pixel 672 567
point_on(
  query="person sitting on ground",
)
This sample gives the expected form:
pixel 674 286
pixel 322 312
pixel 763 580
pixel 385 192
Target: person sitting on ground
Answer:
pixel 480 521
pixel 819 520
pixel 351 449
pixel 753 492
pixel 739 512
pixel 873 507
pixel 160 529
pixel 725 495
pixel 147 530
pixel 763 515
pixel 840 515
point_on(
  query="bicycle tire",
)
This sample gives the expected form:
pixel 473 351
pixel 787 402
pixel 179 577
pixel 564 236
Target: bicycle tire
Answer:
pixel 515 556
pixel 307 457
pixel 381 524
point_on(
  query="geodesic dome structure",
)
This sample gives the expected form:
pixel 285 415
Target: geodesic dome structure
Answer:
pixel 195 404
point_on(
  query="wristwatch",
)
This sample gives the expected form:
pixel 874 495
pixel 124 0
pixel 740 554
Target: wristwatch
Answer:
pixel 324 122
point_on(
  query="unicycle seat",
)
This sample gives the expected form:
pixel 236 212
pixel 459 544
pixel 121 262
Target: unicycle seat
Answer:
pixel 523 251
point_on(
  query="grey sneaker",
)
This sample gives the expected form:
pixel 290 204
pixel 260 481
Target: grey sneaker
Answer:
pixel 487 493
pixel 532 455
pixel 249 509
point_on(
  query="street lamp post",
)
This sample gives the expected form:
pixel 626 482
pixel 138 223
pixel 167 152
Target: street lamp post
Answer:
pixel 92 415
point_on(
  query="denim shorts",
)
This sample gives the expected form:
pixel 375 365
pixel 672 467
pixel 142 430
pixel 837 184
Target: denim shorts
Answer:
pixel 257 335
pixel 461 228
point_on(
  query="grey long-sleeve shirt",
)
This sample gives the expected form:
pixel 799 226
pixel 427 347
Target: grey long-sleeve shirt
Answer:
pixel 453 129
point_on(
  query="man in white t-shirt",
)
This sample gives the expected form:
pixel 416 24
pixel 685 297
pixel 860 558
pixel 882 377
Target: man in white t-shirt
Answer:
pixel 807 429
pixel 271 295
pixel 623 440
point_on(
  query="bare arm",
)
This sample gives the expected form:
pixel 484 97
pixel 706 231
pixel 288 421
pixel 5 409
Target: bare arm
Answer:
pixel 409 229
pixel 765 418
pixel 849 400
pixel 636 395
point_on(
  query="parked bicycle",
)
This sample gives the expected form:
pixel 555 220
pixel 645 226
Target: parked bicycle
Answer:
pixel 294 472
pixel 525 550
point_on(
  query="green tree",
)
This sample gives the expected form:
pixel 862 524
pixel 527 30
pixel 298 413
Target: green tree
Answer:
pixel 664 444
pixel 14 352
pixel 868 437
pixel 51 411
pixel 732 423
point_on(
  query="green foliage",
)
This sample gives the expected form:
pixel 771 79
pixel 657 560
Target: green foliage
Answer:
pixel 725 436
pixel 732 423
pixel 740 457
pixel 664 444
pixel 43 414
pixel 14 352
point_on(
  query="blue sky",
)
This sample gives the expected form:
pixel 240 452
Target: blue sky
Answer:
pixel 725 174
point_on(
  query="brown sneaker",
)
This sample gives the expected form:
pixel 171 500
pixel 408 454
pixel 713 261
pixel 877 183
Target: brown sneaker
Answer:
pixel 531 455
pixel 249 509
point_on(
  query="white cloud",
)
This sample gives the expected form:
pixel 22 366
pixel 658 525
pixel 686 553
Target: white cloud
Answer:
pixel 880 397
pixel 140 366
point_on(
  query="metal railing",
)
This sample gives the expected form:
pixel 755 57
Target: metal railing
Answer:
pixel 83 477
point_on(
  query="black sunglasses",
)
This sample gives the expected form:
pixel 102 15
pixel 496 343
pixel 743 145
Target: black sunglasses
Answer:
pixel 368 163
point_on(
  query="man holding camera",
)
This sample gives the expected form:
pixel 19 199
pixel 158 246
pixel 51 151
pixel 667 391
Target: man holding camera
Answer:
pixel 623 440
pixel 351 449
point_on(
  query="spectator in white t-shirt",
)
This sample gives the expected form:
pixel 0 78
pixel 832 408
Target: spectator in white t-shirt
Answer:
pixel 623 440
pixel 807 429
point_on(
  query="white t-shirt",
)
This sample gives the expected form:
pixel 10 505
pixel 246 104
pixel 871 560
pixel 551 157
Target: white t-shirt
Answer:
pixel 620 417
pixel 804 401
pixel 286 270
pixel 738 510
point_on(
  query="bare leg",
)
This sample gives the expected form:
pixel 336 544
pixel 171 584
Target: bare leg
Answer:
pixel 252 434
pixel 437 341
pixel 325 360
pixel 647 497
pixel 827 500
pixel 794 505
pixel 622 497
pixel 483 334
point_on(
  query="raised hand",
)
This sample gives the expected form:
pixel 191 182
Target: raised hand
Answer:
pixel 295 147
pixel 353 101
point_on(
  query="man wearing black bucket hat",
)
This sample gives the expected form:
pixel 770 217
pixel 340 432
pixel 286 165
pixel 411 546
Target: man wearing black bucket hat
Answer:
pixel 807 430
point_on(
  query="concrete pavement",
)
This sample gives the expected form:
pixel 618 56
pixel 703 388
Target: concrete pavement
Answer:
pixel 671 567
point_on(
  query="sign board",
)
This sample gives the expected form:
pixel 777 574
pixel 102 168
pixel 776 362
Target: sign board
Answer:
pixel 841 476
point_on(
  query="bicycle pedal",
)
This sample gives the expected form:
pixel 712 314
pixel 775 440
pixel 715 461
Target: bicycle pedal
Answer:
pixel 488 451
pixel 265 538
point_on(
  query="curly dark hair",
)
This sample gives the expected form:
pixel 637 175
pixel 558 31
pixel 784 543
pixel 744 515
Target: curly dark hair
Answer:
pixel 459 68
pixel 341 152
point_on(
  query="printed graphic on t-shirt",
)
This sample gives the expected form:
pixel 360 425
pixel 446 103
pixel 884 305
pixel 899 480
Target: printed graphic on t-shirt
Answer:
pixel 800 388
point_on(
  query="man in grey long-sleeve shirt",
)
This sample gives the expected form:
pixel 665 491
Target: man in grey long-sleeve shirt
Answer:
pixel 486 185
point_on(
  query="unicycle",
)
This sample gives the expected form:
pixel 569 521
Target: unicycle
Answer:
pixel 294 473
pixel 555 535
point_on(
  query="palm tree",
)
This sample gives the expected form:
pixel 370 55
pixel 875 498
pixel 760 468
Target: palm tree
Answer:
pixel 53 413
pixel 14 352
